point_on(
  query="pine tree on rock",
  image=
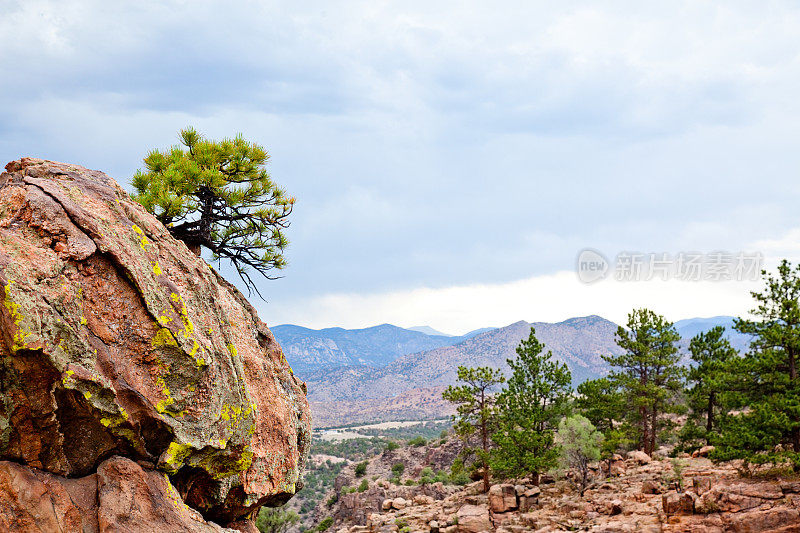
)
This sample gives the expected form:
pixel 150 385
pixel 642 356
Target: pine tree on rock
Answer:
pixel 708 385
pixel 765 380
pixel 530 407
pixel 476 413
pixel 647 373
pixel 218 195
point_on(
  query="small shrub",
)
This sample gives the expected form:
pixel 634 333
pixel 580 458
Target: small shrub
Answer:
pixel 398 469
pixel 461 478
pixel 677 467
pixel 348 490
pixel 276 520
pixel 410 483
pixel 417 441
pixel 363 486
pixel 325 524
pixel 426 476
pixel 391 446
pixel 361 469
pixel 332 500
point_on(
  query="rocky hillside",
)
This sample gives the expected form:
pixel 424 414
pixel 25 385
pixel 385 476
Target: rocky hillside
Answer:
pixel 310 350
pixel 640 495
pixel 140 390
pixel 358 394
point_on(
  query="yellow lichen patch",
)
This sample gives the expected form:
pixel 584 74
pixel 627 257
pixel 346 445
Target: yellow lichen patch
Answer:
pixel 197 358
pixel 143 242
pixel 157 269
pixel 222 466
pixel 67 376
pixel 232 349
pixel 19 340
pixel 164 337
pixel 83 321
pixel 163 405
pixel 87 395
pixel 188 326
pixel 164 320
pixel 114 421
pixel 176 499
pixel 175 455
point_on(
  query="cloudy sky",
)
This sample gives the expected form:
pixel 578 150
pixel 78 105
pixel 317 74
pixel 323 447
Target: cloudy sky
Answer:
pixel 450 159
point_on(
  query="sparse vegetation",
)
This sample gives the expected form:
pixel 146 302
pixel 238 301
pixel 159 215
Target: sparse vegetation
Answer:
pixel 361 469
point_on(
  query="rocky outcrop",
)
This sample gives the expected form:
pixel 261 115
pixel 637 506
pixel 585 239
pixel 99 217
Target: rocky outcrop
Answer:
pixel 715 499
pixel 118 341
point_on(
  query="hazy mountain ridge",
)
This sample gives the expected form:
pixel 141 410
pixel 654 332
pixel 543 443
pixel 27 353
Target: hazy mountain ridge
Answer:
pixel 402 387
pixel 579 342
pixel 309 349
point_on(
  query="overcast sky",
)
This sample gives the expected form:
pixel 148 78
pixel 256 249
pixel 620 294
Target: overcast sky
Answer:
pixel 450 159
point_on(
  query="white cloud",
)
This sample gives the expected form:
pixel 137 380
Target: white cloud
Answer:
pixel 542 298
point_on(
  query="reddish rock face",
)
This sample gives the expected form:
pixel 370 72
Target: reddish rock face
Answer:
pixel 122 496
pixel 117 340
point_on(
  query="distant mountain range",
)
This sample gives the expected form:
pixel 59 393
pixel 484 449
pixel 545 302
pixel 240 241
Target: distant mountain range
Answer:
pixel 309 350
pixel 692 326
pixel 387 372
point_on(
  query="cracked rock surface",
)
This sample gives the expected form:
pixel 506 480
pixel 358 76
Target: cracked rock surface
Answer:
pixel 126 359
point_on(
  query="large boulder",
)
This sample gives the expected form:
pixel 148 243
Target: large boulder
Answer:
pixel 639 456
pixel 121 496
pixel 473 519
pixel 502 498
pixel 117 340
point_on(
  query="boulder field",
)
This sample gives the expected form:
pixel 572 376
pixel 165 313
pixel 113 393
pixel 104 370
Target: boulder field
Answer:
pixel 140 390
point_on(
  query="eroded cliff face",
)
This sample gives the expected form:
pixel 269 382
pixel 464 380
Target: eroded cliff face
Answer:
pixel 118 341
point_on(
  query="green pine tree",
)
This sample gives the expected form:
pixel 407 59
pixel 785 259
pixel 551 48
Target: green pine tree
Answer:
pixel 764 382
pixel 476 413
pixel 534 400
pixel 707 382
pixel 603 404
pixel 648 374
pixel 218 195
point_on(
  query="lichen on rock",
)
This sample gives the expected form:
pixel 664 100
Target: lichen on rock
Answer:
pixel 117 340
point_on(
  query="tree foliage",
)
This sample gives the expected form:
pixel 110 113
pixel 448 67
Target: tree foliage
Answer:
pixel 647 373
pixel 707 385
pixel 218 195
pixel 529 408
pixel 475 411
pixel 276 520
pixel 580 444
pixel 600 401
pixel 764 382
pixel 603 404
